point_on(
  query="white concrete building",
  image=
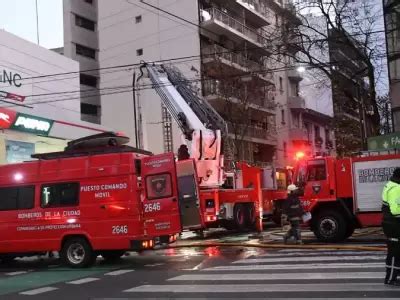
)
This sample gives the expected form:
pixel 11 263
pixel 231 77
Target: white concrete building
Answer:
pixel 39 111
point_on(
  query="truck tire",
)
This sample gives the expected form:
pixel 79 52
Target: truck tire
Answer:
pixel 7 259
pixel 76 252
pixel 350 230
pixel 112 255
pixel 250 217
pixel 330 226
pixel 239 217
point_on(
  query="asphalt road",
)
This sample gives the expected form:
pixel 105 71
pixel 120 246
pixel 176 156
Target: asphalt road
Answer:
pixel 206 273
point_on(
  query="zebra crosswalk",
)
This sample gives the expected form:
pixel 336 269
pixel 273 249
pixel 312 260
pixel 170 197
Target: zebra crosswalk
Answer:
pixel 282 274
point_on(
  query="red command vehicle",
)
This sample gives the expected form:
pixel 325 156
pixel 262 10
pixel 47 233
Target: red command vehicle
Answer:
pixel 344 194
pixel 98 197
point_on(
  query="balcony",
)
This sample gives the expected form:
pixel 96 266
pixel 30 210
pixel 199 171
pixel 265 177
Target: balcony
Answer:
pixel 233 62
pixel 296 103
pixel 298 134
pixel 295 75
pixel 254 134
pixel 221 23
pixel 216 93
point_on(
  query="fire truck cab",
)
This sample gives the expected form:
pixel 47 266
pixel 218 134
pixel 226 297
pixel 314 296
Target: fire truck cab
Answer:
pixel 98 197
pixel 343 194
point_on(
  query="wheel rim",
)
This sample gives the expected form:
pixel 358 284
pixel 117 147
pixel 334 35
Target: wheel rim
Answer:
pixel 76 253
pixel 328 227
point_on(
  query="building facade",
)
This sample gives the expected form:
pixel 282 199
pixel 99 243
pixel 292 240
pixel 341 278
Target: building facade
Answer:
pixel 392 28
pixel 227 50
pixel 81 43
pixel 39 111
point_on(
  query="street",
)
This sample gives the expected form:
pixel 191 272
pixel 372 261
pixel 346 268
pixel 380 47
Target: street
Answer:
pixel 211 272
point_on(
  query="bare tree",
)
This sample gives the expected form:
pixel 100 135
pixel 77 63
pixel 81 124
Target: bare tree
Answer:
pixel 338 40
pixel 385 111
pixel 239 99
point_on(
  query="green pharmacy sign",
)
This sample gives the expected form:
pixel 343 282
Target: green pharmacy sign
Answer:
pixel 384 142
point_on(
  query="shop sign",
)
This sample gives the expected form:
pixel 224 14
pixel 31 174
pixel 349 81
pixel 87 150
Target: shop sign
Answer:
pixel 7 118
pixel 17 151
pixel 384 142
pixel 32 124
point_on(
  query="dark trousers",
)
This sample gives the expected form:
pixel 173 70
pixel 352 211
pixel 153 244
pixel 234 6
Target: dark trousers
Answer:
pixel 294 230
pixel 392 260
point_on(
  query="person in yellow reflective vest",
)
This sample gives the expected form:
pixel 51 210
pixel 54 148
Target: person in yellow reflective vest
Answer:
pixel 391 227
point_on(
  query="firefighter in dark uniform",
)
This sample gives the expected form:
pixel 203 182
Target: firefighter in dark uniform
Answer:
pixel 293 211
pixel 391 227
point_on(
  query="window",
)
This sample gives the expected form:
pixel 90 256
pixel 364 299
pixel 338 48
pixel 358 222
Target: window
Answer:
pixel 317 132
pixel 139 52
pixel 187 188
pixel 89 109
pixel 138 19
pixel 281 84
pixel 327 135
pixel 14 198
pixel 60 194
pixel 283 116
pixel 85 51
pixel 316 170
pixel 89 80
pixel 85 23
pixel 158 186
pixel 89 1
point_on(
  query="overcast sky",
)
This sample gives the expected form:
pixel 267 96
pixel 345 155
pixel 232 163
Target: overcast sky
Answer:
pixel 19 17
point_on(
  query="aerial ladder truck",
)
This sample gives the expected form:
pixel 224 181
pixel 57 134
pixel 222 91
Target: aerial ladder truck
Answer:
pixel 238 207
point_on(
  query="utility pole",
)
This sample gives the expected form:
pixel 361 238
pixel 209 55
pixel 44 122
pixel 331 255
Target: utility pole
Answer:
pixel 134 109
pixel 37 22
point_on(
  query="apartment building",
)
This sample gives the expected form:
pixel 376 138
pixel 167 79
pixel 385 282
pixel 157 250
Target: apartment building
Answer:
pixel 81 43
pixel 392 26
pixel 228 51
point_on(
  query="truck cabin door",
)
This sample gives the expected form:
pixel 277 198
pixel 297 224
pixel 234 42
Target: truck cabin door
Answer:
pixel 160 202
pixel 316 185
pixel 188 191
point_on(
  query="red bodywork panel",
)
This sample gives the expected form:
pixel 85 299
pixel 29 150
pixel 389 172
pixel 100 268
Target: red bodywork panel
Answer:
pixel 251 193
pixel 109 210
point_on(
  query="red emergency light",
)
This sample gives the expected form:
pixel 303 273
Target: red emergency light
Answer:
pixel 300 155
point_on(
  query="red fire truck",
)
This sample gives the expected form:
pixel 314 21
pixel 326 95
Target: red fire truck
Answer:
pixel 231 200
pixel 343 194
pixel 98 197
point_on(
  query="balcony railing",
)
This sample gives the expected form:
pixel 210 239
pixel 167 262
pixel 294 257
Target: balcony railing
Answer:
pixel 253 131
pixel 219 52
pixel 256 6
pixel 255 35
pixel 214 87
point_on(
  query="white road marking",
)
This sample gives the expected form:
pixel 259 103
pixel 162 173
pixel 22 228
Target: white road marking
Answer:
pixel 297 266
pixel 309 259
pixel 118 272
pixel 341 253
pixel 16 273
pixel 261 288
pixel 154 265
pixel 280 276
pixel 83 280
pixel 39 291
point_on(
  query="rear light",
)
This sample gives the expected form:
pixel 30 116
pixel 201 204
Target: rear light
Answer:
pixel 147 244
pixel 211 218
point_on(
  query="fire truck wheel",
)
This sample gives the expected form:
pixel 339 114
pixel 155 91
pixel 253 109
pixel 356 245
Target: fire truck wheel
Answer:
pixel 350 231
pixel 250 217
pixel 77 253
pixel 112 255
pixel 239 216
pixel 330 226
pixel 7 259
